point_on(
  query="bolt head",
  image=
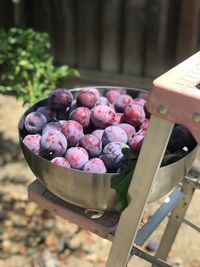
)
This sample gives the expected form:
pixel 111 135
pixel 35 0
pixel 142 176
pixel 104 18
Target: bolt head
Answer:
pixel 163 109
pixel 196 116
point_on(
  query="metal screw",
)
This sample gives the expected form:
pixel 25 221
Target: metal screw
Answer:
pixel 196 116
pixel 163 109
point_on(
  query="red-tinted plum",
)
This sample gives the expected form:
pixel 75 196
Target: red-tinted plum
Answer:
pixel 136 143
pixel 143 95
pixel 102 101
pixel 114 134
pixel 92 144
pixel 47 113
pixel 122 102
pixel 112 155
pixel 112 107
pixel 86 99
pixel 142 131
pixel 95 165
pixel 134 115
pixel 34 122
pixel 77 157
pixel 118 118
pixel 152 245
pixel 102 116
pixel 60 161
pixel 60 99
pixel 51 126
pixel 81 115
pixel 53 144
pixel 98 133
pixel 73 132
pixel 145 124
pixel 93 90
pixel 32 141
pixel 112 95
pixel 139 101
pixel 129 129
pixel 61 123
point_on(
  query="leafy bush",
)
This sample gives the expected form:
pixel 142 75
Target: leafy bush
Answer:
pixel 26 66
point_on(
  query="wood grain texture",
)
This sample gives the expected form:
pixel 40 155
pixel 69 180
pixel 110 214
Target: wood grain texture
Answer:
pixel 111 23
pixel 88 33
pixel 188 35
pixel 161 36
pixel 134 37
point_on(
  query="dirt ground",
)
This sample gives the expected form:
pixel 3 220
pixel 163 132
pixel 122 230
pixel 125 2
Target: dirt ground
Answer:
pixel 30 237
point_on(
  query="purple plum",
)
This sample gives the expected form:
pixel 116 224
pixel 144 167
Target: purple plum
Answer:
pixel 112 155
pixel 81 115
pixel 145 124
pixel 136 143
pixel 47 113
pixel 118 118
pixel 122 102
pixel 152 245
pixel 114 134
pixel 77 157
pixel 86 99
pixel 139 101
pixel 53 144
pixel 32 141
pixel 54 125
pixel 34 122
pixel 129 129
pixel 102 116
pixel 134 115
pixel 102 101
pixel 60 161
pixel 60 99
pixel 92 144
pixel 73 131
pixel 112 95
pixel 98 133
pixel 95 165
pixel 93 90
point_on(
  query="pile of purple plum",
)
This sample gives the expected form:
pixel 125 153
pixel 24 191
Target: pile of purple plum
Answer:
pixel 89 132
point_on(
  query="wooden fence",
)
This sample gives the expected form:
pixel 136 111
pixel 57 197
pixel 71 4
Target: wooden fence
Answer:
pixel 122 42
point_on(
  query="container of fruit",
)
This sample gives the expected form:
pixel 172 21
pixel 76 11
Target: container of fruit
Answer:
pixel 82 144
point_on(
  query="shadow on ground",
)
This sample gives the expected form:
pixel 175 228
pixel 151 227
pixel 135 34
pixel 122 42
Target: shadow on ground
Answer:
pixel 10 150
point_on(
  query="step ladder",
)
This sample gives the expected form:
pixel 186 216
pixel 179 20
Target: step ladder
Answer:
pixel 174 98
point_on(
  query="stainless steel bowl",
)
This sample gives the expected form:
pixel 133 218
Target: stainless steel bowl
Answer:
pixel 90 190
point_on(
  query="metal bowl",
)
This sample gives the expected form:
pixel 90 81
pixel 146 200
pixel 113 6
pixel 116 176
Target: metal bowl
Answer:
pixel 91 190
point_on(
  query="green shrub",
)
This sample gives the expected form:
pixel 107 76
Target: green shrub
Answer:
pixel 26 66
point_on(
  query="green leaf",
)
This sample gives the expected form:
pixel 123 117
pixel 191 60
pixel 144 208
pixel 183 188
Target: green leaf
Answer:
pixel 122 181
pixel 130 154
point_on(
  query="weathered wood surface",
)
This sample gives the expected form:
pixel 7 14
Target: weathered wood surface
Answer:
pixel 161 34
pixel 111 39
pixel 134 38
pixel 143 38
pixel 88 33
pixel 189 34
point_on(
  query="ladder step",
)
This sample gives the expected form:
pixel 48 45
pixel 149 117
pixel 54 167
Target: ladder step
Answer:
pixel 189 223
pixel 146 256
